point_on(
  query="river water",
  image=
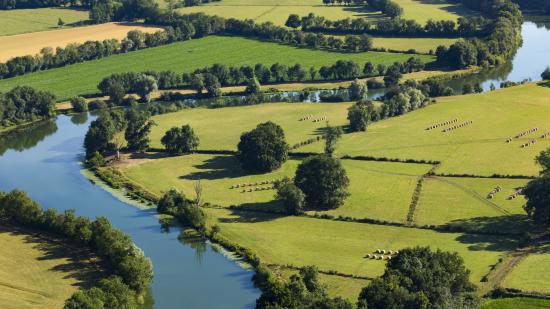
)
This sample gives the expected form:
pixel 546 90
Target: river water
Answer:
pixel 44 161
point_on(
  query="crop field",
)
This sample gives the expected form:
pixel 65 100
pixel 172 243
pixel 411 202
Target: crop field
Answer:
pixel 82 78
pixel 344 245
pixel 444 199
pixel 38 274
pixel 479 148
pixel 32 43
pixel 532 274
pixel 32 20
pixel 379 190
pixel 278 11
pixel 221 129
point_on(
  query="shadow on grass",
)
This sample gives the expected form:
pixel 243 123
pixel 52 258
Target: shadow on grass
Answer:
pixel 507 224
pixel 217 167
pixel 253 213
pixel 73 262
pixel 449 7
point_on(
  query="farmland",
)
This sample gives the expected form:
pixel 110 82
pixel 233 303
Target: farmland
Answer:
pixel 32 43
pixel 532 274
pixel 36 273
pixel 33 20
pixel 82 78
pixel 278 11
pixel 524 107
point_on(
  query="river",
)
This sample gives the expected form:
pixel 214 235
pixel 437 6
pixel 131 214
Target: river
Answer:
pixel 44 161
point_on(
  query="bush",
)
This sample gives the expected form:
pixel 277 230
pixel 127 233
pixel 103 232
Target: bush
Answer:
pixel 324 182
pixel 79 104
pixel 263 149
pixel 292 197
pixel 97 104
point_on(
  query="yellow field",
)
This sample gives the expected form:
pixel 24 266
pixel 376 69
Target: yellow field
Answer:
pixel 38 274
pixel 32 43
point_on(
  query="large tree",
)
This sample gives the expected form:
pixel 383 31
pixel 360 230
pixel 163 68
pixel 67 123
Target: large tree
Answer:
pixel 324 182
pixel 537 193
pixel 180 140
pixel 263 149
pixel 359 115
pixel 137 130
pixel 421 278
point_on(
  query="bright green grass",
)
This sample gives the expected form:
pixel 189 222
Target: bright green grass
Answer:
pixel 423 45
pixel 82 78
pixel 532 274
pixel 516 303
pixel 342 246
pixel 379 190
pixel 221 129
pixel 32 20
pixel 479 148
pixel 444 199
pixel 278 11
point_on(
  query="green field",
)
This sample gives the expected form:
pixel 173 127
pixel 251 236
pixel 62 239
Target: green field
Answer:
pixel 278 11
pixel 32 20
pixel 220 129
pixel 479 148
pixel 532 274
pixel 187 56
pixel 516 303
pixel 422 45
pixel 379 190
pixel 342 246
pixel 444 199
pixel 35 273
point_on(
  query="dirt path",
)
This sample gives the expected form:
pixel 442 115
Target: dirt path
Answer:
pixel 32 43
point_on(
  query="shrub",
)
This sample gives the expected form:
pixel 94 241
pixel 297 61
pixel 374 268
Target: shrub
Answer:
pixel 79 104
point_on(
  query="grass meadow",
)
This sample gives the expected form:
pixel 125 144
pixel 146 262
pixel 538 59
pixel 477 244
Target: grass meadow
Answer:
pixel 278 11
pixel 299 241
pixel 32 20
pixel 532 274
pixel 515 303
pixel 82 78
pixel 38 274
pixel 422 45
pixel 479 148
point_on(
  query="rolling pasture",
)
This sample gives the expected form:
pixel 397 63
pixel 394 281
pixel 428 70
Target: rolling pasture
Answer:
pixel 479 148
pixel 38 274
pixel 33 20
pixel 32 43
pixel 278 11
pixel 82 78
pixel 532 274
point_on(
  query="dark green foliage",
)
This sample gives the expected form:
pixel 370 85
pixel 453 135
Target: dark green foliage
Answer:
pixel 357 90
pixel 263 149
pixel 253 86
pixel 546 74
pixel 180 140
pixel 144 85
pixel 324 182
pixel 79 104
pixel 133 271
pixel 537 193
pixel 392 77
pixel 359 115
pixel 421 278
pixel 137 130
pixel 95 160
pixel 292 197
pixel 302 291
pixel 24 104
pixel 331 136
pixel 212 85
pixel 99 135
pixel 175 203
pixel 293 21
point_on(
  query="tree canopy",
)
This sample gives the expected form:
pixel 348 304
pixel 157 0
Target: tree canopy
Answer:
pixel 263 149
pixel 180 140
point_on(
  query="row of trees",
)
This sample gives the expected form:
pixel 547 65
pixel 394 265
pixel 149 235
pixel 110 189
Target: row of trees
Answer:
pixel 25 104
pixel 403 27
pixel 75 53
pixel 499 46
pixel 28 4
pixel 132 270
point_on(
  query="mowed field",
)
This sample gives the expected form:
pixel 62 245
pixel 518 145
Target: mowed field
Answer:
pixel 32 43
pixel 38 274
pixel 277 12
pixel 32 20
pixel 82 78
pixel 532 274
pixel 515 303
pixel 421 45
pixel 479 148
pixel 343 246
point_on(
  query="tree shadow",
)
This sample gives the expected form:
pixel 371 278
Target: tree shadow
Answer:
pixel 363 11
pixel 450 7
pixel 483 242
pixel 217 167
pixel 149 155
pixel 76 263
pixel 246 214
pixel 506 224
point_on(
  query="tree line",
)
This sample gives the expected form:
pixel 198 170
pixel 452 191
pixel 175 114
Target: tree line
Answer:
pixel 29 4
pixel 25 104
pixel 132 270
pixel 499 46
pixel 464 27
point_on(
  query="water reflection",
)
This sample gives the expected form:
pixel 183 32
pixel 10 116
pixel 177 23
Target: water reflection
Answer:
pixel 81 118
pixel 27 138
pixel 196 242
